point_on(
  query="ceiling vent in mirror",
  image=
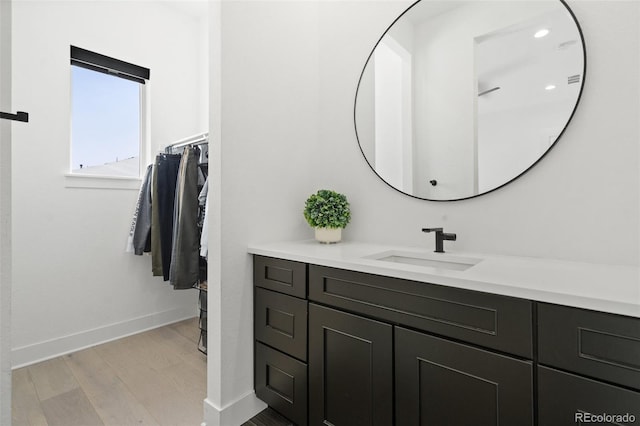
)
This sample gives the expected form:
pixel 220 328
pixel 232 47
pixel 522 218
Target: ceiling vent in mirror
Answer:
pixel 573 79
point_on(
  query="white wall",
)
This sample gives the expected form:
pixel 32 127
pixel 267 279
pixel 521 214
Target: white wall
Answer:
pixel 73 283
pixel 269 126
pixel 391 65
pixel 444 124
pixel 579 203
pixel 518 123
pixel 501 156
pixel 5 214
pixel 390 128
pixel 364 114
pixel 287 85
pixel 444 64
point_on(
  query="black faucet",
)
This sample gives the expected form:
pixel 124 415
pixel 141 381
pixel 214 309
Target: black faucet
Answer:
pixel 440 237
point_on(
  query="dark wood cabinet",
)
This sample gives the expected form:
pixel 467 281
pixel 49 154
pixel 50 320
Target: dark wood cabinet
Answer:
pixel 566 399
pixel 281 381
pixel 440 382
pixel 281 322
pixel 350 369
pixel 489 320
pixel 280 330
pixel 589 365
pixel 594 344
pixel 283 276
pixel 337 347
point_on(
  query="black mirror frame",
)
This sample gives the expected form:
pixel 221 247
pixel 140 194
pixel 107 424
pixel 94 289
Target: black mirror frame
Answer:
pixel 584 73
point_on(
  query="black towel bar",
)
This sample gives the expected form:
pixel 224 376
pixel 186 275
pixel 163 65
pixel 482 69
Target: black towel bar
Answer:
pixel 19 116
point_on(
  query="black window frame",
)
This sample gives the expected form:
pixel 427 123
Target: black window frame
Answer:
pixel 108 65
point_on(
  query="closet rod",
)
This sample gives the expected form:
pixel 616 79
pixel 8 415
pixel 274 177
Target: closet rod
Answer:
pixel 198 139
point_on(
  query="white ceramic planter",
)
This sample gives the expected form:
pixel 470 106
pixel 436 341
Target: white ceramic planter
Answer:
pixel 328 235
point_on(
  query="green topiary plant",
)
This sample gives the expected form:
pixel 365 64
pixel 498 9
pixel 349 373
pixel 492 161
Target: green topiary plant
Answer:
pixel 327 209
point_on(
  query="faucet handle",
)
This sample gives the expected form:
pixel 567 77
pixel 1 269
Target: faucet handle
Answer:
pixel 431 229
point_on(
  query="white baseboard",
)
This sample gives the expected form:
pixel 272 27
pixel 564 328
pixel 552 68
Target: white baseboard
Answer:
pixel 233 414
pixel 42 351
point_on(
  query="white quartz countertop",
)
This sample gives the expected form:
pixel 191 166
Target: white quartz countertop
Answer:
pixel 608 288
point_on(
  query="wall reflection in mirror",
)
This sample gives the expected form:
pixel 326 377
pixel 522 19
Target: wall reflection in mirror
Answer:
pixel 459 98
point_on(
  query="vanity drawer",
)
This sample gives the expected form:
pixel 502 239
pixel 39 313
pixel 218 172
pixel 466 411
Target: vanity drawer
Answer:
pixel 565 399
pixel 596 344
pixel 281 322
pixel 493 321
pixel 281 382
pixel 284 276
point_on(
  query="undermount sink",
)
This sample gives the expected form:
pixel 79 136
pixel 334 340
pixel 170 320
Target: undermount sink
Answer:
pixel 433 260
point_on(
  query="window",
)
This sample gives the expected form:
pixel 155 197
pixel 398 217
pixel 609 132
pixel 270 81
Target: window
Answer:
pixel 107 98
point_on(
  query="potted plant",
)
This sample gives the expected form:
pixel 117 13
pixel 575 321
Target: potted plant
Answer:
pixel 328 212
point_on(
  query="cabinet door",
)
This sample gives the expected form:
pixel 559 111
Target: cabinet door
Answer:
pixel 350 369
pixel 565 399
pixel 439 382
pixel 281 382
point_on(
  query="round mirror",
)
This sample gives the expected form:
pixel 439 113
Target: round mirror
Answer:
pixel 459 98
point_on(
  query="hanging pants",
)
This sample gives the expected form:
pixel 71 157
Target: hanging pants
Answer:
pixel 185 255
pixel 165 192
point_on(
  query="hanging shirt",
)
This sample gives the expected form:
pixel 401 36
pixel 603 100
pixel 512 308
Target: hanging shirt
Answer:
pixel 203 200
pixel 139 232
pixel 184 269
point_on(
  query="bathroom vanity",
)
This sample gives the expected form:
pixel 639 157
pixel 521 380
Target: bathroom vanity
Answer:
pixel 346 337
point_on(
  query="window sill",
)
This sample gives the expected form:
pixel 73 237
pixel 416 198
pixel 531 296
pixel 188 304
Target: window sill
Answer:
pixel 73 180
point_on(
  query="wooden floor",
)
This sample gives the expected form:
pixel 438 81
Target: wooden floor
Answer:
pixel 154 378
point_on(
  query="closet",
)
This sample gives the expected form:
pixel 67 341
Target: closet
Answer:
pixel 170 222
